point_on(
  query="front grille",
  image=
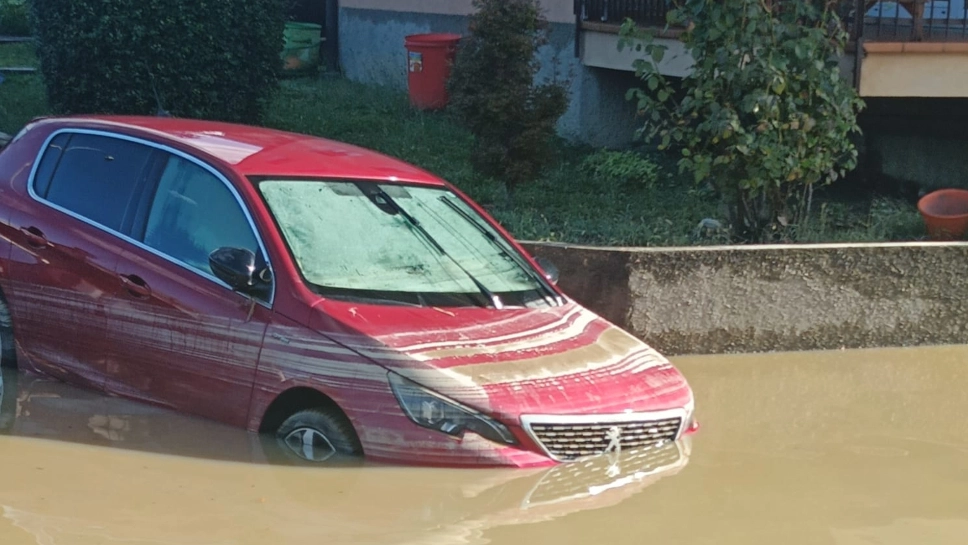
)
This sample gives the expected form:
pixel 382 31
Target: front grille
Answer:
pixel 567 441
pixel 589 477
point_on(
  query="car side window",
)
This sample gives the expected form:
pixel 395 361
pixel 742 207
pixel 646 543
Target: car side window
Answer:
pixel 194 213
pixel 93 176
pixel 49 161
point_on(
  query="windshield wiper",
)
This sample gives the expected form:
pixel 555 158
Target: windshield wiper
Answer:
pixel 375 192
pixel 370 299
pixel 507 253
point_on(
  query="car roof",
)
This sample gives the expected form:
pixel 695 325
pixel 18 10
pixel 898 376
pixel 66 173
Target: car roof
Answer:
pixel 258 151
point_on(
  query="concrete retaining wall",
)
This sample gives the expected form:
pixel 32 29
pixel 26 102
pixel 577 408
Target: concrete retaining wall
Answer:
pixel 709 300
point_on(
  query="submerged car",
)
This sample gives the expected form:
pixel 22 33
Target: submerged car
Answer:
pixel 346 302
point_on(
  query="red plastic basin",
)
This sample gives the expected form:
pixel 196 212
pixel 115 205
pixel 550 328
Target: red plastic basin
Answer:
pixel 945 213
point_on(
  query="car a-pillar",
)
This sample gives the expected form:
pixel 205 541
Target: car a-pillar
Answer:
pixel 304 425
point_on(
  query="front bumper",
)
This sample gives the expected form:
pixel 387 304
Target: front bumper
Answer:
pixel 393 438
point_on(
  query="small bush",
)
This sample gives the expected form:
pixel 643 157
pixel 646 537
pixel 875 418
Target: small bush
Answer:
pixel 493 91
pixel 13 18
pixel 621 167
pixel 216 60
pixel 764 117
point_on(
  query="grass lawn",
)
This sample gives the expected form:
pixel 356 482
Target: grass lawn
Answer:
pixel 21 95
pixel 568 204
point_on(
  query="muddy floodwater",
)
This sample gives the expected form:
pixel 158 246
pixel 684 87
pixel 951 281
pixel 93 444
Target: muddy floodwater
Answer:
pixel 855 447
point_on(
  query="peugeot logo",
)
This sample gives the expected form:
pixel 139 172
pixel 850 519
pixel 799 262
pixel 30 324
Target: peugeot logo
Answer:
pixel 614 436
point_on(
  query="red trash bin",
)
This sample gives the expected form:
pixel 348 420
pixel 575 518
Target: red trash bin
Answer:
pixel 429 60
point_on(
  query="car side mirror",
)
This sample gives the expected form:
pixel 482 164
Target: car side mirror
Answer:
pixel 235 266
pixel 549 268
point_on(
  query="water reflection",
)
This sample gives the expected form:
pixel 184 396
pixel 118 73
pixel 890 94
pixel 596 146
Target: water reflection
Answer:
pixel 163 479
pixel 39 407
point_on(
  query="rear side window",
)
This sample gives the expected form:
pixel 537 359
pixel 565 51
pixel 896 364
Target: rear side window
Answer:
pixel 195 213
pixel 93 176
pixel 49 162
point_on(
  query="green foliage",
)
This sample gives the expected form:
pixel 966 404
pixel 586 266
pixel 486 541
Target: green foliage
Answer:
pixel 216 59
pixel 493 91
pixel 621 167
pixel 13 18
pixel 764 116
pixel 22 96
pixel 563 204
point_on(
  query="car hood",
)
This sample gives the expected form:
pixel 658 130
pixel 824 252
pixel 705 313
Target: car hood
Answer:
pixel 513 362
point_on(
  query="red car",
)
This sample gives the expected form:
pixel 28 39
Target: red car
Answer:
pixel 349 303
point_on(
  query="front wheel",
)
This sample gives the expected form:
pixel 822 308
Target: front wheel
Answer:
pixel 317 435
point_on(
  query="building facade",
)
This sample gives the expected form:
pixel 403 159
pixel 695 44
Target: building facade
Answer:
pixel 371 39
pixel 908 60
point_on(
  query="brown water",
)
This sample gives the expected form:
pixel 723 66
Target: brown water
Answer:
pixel 842 448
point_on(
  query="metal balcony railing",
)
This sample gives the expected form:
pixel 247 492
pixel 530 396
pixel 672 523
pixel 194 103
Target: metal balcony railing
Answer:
pixel 882 20
pixel 643 12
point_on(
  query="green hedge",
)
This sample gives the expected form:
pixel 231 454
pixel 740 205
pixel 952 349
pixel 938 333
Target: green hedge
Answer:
pixel 13 18
pixel 214 59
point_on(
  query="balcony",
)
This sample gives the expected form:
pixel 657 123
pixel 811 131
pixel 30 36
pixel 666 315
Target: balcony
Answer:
pixel 911 48
pixel 908 20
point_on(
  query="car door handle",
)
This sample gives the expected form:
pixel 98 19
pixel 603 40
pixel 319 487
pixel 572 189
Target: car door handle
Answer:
pixel 135 285
pixel 35 237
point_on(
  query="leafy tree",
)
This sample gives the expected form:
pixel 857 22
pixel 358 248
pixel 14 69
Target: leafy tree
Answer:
pixel 494 93
pixel 764 116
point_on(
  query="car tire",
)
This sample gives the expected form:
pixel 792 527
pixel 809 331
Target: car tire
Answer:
pixel 8 351
pixel 317 436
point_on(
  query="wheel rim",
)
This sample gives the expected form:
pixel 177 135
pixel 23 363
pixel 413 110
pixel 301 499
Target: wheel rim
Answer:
pixel 310 444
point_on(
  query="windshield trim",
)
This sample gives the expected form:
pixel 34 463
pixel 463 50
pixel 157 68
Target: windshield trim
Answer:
pixel 544 291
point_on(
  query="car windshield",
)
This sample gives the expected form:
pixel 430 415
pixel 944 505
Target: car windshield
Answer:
pixel 399 244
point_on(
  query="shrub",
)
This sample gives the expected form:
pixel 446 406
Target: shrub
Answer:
pixel 13 18
pixel 621 167
pixel 764 115
pixel 494 93
pixel 201 58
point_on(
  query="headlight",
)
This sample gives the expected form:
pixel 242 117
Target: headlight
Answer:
pixel 690 413
pixel 433 411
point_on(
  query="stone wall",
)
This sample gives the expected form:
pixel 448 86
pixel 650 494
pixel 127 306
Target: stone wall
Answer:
pixel 709 300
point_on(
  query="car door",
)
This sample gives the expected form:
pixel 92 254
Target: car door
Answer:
pixel 182 338
pixel 65 246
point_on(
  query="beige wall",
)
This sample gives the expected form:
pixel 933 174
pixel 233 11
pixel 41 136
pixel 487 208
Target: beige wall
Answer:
pixel 600 49
pixel 557 11
pixel 915 70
